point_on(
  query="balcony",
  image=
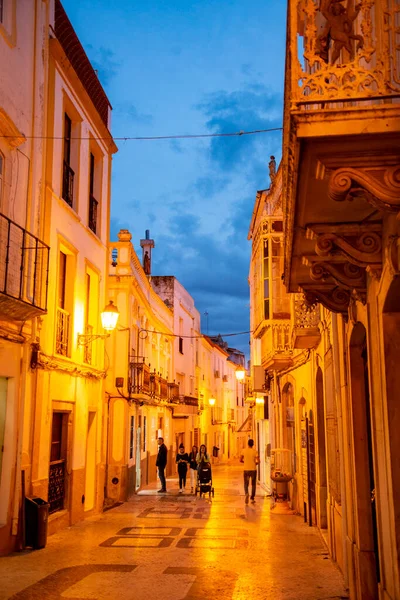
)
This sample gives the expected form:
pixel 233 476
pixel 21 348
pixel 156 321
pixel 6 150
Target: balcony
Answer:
pixel 305 332
pixel 68 184
pixel 173 393
pixel 359 68
pixel 93 204
pixel 276 346
pixel 186 406
pixel 139 380
pixel 158 387
pixel 341 139
pixel 24 269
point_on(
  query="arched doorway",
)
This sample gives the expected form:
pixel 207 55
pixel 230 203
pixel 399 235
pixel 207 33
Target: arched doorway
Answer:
pixel 366 546
pixel 322 490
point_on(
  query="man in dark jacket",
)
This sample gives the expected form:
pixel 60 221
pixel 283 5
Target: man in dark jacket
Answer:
pixel 161 463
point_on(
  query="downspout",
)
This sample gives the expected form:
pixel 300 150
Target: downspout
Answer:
pixel 338 398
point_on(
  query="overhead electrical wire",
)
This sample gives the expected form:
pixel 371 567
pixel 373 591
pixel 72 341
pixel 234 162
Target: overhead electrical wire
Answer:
pixel 151 137
pixel 223 335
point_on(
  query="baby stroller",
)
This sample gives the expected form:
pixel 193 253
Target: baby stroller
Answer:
pixel 204 480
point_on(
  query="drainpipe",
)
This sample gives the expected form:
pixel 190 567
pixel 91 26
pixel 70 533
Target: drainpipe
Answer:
pixel 25 352
pixel 338 397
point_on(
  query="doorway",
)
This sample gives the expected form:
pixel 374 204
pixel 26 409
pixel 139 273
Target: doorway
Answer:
pixel 366 542
pixel 58 460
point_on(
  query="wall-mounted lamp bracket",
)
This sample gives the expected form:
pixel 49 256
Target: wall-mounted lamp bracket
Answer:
pixel 86 338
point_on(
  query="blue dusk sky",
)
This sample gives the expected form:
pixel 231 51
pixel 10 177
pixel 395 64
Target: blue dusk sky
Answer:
pixel 185 67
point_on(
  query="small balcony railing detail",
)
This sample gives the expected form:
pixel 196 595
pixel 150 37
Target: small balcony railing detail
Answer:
pixel 56 485
pixel 93 205
pixel 68 184
pixel 62 333
pixel 24 268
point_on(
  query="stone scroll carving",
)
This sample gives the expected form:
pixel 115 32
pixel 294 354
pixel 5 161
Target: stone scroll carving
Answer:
pixel 380 187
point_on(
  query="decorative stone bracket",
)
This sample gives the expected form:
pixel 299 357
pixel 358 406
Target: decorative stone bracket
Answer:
pixel 344 254
pixel 379 186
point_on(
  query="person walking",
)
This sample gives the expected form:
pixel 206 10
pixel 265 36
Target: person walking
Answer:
pixel 250 460
pixel 193 468
pixel 202 456
pixel 182 460
pixel 161 463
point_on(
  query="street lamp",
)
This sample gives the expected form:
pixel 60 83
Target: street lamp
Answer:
pixel 211 402
pixel 240 374
pixel 109 318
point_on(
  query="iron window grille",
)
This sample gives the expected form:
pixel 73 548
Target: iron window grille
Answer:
pixel 68 184
pixel 93 204
pixel 62 336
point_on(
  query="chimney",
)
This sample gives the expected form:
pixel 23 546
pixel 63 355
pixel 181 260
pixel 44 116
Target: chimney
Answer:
pixel 147 244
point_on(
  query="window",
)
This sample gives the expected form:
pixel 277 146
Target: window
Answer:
pixel 68 173
pixel 280 297
pixel 181 345
pixel 93 203
pixel 64 301
pixel 1 11
pixel 266 279
pixel 132 437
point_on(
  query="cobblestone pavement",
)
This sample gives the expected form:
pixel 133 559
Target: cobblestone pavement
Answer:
pixel 176 547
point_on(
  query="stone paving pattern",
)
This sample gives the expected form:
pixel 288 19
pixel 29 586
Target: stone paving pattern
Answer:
pixel 179 547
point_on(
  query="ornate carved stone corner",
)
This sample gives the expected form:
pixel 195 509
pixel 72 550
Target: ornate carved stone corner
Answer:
pixel 379 186
pixel 359 244
pixel 335 299
pixel 344 254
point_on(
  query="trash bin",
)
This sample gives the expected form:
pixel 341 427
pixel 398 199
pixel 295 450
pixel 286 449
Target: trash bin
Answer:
pixel 36 518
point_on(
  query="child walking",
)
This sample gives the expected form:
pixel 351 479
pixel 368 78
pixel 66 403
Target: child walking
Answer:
pixel 182 460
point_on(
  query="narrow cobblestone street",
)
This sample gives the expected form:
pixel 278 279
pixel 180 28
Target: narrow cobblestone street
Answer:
pixel 177 547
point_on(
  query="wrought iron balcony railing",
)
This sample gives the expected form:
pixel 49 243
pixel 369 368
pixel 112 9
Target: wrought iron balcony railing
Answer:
pixel 139 381
pixel 62 332
pixel 173 393
pixel 68 184
pixel 305 333
pixel 93 204
pixel 24 269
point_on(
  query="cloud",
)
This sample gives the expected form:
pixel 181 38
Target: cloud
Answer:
pixel 252 108
pixel 137 117
pixel 103 62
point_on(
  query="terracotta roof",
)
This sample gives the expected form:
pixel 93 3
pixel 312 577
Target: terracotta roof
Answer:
pixel 77 57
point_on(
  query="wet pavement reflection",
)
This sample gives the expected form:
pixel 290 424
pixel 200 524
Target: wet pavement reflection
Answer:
pixel 180 547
